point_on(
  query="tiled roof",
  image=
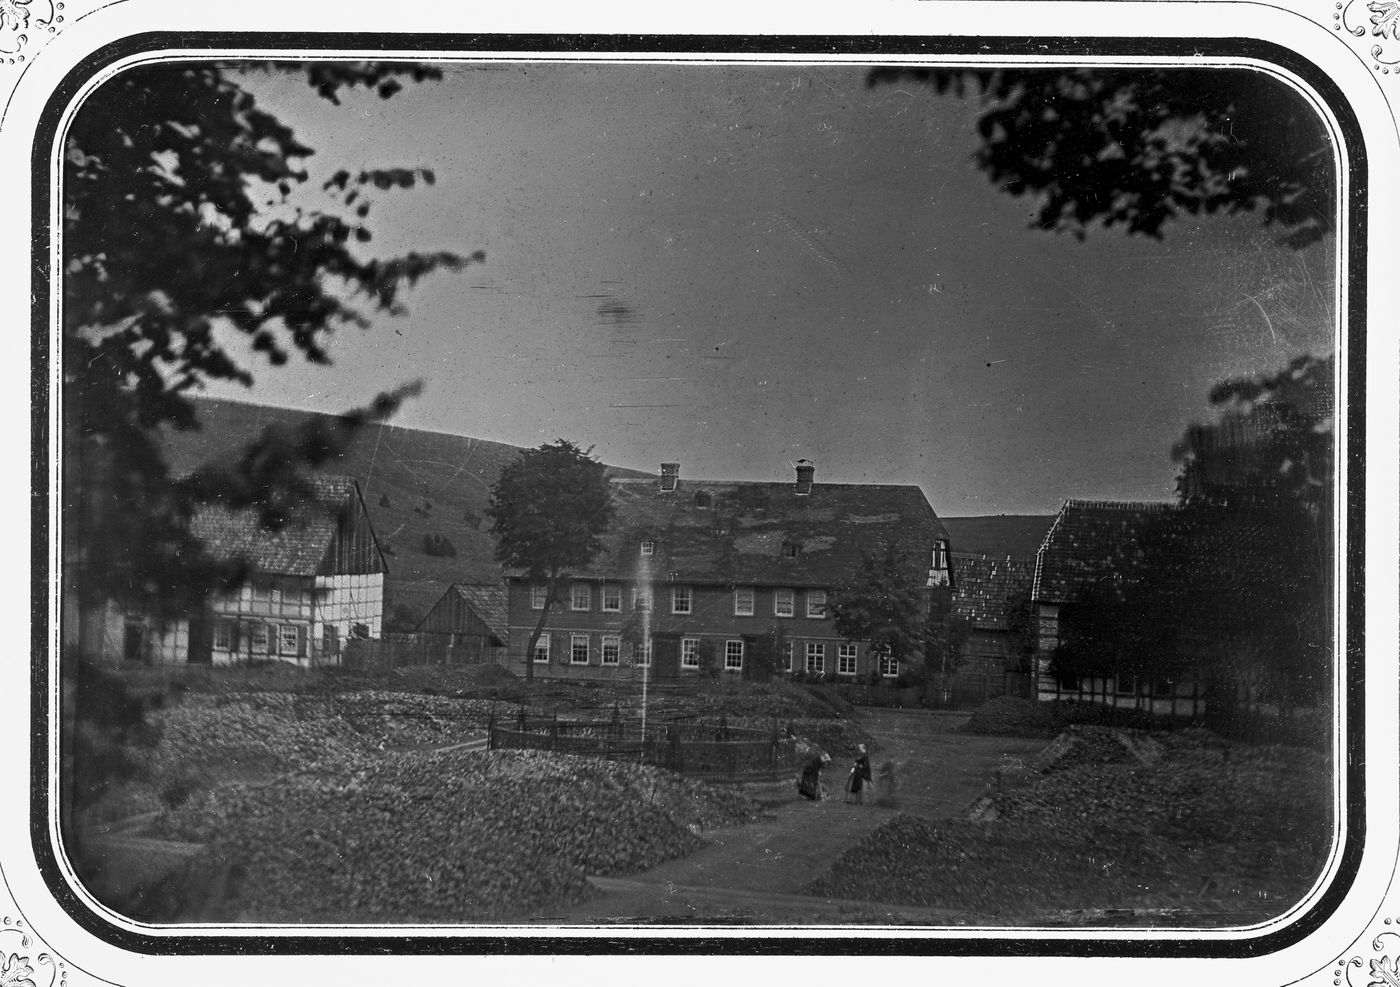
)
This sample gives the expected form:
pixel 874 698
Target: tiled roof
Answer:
pixel 489 602
pixel 1091 543
pixel 741 532
pixel 982 585
pixel 296 549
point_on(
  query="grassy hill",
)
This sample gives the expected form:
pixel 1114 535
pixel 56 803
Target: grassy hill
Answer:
pixel 419 485
pixel 416 484
pixel 1019 535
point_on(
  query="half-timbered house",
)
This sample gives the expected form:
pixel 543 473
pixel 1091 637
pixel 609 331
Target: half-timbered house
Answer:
pixel 312 584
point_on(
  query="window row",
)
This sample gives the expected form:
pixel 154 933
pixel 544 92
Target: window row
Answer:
pixel 286 640
pixel 683 599
pixel 609 650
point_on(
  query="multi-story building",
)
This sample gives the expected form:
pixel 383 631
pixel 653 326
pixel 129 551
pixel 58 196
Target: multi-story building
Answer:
pixel 699 570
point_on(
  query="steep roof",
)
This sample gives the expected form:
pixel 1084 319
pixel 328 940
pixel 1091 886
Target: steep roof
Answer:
pixel 1092 542
pixel 982 585
pixel 296 549
pixel 733 532
pixel 489 602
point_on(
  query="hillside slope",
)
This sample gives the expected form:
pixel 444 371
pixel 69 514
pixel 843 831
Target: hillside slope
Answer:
pixel 416 484
pixel 1018 535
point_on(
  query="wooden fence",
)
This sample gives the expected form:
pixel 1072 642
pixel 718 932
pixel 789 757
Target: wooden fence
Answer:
pixel 713 751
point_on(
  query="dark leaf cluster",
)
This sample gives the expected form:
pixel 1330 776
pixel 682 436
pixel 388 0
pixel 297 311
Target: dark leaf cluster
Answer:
pixel 1139 147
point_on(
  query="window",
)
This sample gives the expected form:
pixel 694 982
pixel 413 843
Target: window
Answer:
pixel 816 603
pixel 681 599
pixel 578 649
pixel 889 667
pixel 642 653
pixel 791 550
pixel 703 500
pixel 940 554
pixel 542 648
pixel 1126 685
pixel 537 595
pixel 259 639
pixel 733 656
pixel 612 649
pixel 612 598
pixel 787 656
pixel 782 603
pixel 288 637
pixel 262 590
pixel 816 656
pixel 648 548
pixel 291 591
pixel 223 636
pixel 846 659
pixel 743 601
pixel 330 639
pixel 690 652
pixel 641 598
pixel 579 597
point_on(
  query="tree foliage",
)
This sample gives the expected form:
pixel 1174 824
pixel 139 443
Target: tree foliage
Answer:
pixel 1260 481
pixel 886 604
pixel 1233 585
pixel 549 510
pixel 182 230
pixel 1138 147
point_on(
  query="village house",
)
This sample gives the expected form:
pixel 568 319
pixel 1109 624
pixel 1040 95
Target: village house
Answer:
pixel 467 625
pixel 1095 547
pixel 699 568
pixel 312 585
pixel 987 590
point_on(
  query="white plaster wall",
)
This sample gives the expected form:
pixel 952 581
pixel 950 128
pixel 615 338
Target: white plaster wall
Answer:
pixel 345 600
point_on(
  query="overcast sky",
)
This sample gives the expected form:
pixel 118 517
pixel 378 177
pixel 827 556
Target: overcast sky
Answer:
pixel 736 267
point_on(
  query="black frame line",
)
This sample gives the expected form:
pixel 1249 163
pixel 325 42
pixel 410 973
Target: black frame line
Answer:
pixel 567 941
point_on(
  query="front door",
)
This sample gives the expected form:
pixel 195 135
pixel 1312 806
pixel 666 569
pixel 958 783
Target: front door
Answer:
pixel 666 661
pixel 133 636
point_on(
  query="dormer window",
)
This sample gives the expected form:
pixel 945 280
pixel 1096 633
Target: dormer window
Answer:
pixel 648 548
pixel 791 550
pixel 703 501
pixel 940 554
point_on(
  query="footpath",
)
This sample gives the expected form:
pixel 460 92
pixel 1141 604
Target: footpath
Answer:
pixel 754 874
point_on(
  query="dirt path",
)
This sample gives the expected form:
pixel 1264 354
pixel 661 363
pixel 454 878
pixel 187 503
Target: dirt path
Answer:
pixel 754 873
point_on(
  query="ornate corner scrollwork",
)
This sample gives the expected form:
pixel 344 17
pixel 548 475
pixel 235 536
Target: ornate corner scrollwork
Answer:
pixel 18 968
pixel 1383 23
pixel 1379 971
pixel 20 22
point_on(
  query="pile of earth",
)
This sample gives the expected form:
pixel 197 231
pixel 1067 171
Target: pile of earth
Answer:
pixel 1208 827
pixel 430 837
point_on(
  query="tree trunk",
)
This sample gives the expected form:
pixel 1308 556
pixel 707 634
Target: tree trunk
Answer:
pixel 549 588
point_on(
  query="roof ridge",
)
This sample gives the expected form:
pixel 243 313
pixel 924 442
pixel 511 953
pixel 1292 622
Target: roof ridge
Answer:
pixel 1135 505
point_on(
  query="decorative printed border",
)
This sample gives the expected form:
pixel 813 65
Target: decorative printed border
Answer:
pixel 1385 23
pixel 17 968
pixel 17 18
pixel 1380 971
pixel 27 25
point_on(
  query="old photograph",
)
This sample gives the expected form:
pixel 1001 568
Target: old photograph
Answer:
pixel 742 492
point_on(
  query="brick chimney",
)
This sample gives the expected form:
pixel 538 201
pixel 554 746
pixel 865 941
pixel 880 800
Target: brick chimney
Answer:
pixel 670 476
pixel 806 469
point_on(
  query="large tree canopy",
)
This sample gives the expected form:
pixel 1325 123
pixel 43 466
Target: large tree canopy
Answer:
pixel 181 231
pixel 549 510
pixel 1137 147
